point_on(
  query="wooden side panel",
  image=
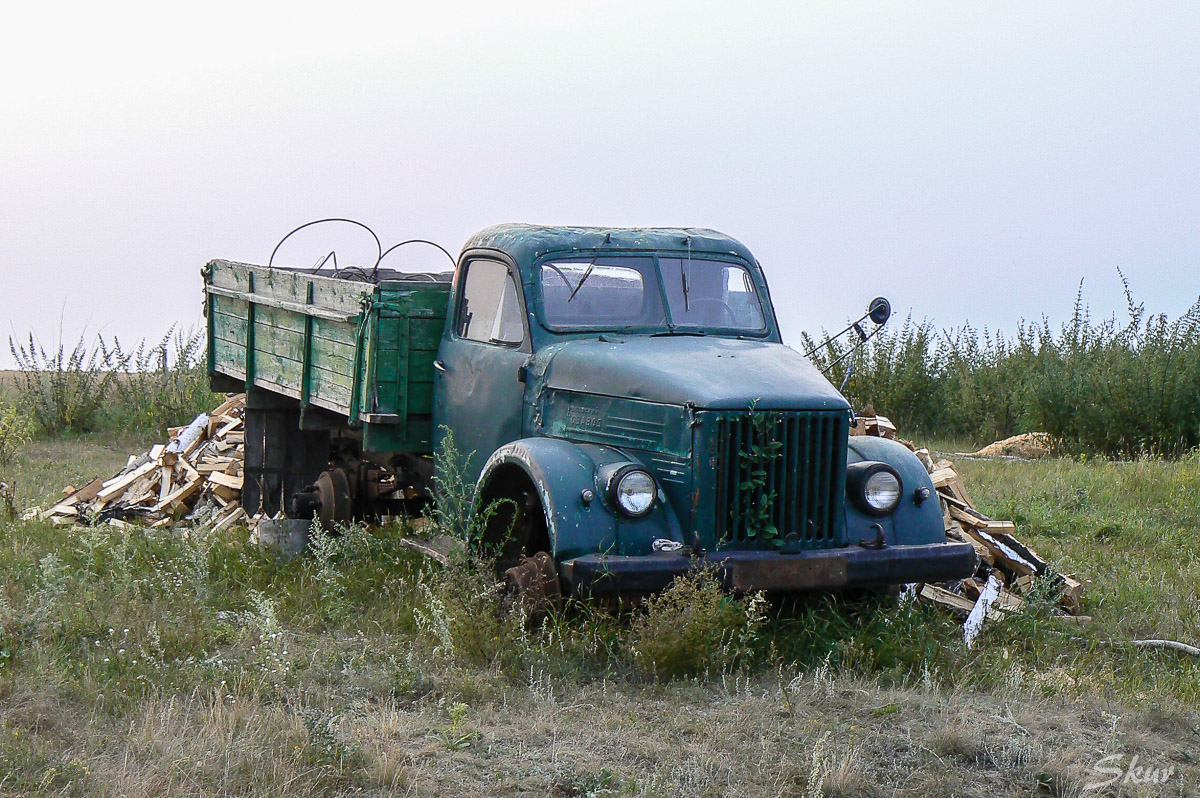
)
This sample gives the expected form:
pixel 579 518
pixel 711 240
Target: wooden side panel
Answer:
pixel 316 355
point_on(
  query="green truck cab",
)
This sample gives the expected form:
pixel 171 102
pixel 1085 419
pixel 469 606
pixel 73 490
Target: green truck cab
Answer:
pixel 622 396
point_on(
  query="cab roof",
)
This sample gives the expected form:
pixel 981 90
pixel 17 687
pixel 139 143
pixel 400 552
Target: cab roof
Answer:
pixel 526 243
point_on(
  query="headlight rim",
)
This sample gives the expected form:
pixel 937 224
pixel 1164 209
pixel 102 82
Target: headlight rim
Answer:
pixel 857 477
pixel 614 482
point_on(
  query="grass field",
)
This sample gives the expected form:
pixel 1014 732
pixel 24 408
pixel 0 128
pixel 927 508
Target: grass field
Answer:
pixel 139 663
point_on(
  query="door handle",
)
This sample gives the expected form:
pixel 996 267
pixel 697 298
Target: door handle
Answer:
pixel 440 366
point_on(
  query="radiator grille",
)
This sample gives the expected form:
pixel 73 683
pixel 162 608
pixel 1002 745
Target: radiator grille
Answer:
pixel 803 488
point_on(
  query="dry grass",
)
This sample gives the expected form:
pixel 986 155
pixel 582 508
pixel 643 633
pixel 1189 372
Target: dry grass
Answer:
pixel 753 737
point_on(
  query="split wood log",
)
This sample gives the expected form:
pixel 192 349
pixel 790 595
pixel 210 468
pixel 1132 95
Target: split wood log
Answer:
pixel 179 494
pixel 84 494
pixel 944 598
pixel 225 480
pixel 190 434
pixel 119 485
pixel 982 610
pixel 441 548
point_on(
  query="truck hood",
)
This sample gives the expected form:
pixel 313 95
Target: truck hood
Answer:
pixel 709 373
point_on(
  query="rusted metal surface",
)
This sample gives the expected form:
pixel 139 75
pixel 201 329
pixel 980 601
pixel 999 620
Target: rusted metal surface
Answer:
pixel 532 586
pixel 785 573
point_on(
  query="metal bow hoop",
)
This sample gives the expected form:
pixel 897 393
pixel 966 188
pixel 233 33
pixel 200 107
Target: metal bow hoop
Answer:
pixel 378 243
pixel 394 247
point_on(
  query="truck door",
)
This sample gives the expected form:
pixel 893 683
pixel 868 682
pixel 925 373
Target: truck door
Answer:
pixel 478 392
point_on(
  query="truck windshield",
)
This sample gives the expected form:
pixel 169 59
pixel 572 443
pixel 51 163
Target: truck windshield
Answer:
pixel 664 294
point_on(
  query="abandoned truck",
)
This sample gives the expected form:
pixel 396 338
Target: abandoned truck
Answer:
pixel 623 398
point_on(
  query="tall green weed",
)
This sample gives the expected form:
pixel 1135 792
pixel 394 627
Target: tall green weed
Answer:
pixel 159 386
pixel 15 430
pixel 106 386
pixel 64 390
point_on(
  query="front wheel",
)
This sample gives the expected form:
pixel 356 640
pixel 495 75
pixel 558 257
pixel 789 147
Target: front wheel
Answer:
pixel 515 533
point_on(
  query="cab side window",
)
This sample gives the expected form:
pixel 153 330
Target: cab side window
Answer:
pixel 489 310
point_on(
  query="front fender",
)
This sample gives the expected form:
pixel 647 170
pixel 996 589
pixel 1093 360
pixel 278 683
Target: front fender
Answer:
pixel 561 472
pixel 911 523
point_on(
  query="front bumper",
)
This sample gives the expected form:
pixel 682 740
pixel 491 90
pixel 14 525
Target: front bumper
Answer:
pixel 745 571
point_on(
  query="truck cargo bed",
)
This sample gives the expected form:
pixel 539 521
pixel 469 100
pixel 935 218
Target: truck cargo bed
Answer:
pixel 362 350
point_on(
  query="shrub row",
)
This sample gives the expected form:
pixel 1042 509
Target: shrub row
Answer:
pixel 1103 387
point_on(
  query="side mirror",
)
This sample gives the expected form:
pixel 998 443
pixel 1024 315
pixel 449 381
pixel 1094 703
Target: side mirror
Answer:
pixel 879 311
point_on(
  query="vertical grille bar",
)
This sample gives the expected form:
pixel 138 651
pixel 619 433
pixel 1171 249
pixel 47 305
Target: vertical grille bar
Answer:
pixel 732 467
pixel 791 463
pixel 721 529
pixel 749 498
pixel 823 528
pixel 775 478
pixel 840 426
pixel 811 476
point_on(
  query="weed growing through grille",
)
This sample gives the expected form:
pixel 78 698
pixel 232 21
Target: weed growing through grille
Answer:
pixel 755 462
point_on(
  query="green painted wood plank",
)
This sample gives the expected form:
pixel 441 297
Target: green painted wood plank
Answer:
pixel 417 397
pixel 337 331
pixel 389 333
pixel 263 382
pixel 420 369
pixel 278 317
pixel 320 401
pixel 329 393
pixel 420 397
pixel 226 274
pixel 286 344
pixel 414 436
pixel 339 295
pixel 333 377
pixel 231 306
pixel 333 356
pixel 277 370
pixel 231 355
pixel 227 328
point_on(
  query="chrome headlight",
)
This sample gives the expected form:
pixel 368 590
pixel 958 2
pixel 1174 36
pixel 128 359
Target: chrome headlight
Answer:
pixel 633 490
pixel 875 487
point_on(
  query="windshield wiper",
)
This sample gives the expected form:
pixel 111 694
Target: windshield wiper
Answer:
pixel 588 271
pixel 586 274
pixel 696 333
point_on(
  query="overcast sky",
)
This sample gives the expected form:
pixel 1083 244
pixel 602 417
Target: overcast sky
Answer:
pixel 968 160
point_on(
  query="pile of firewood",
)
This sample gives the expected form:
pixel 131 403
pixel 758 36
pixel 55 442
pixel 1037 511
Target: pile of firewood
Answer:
pixel 197 476
pixel 1007 567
